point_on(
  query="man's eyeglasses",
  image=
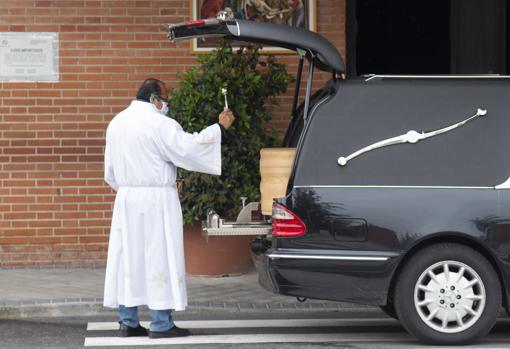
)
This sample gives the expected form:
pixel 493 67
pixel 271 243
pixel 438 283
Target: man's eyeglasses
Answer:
pixel 161 99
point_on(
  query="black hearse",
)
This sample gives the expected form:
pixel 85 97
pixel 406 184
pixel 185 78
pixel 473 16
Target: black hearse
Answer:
pixel 398 195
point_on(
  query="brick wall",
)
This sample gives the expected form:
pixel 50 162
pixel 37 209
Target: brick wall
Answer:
pixel 54 207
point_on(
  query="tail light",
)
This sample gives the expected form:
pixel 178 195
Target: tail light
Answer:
pixel 286 223
pixel 191 24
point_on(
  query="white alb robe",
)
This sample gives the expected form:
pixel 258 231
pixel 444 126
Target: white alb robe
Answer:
pixel 145 263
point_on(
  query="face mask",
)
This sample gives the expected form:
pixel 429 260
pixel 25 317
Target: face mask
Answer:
pixel 163 110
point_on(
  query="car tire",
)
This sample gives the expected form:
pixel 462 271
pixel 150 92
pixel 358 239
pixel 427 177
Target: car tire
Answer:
pixel 448 294
pixel 389 309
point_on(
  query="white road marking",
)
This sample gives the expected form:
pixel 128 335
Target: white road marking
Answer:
pixel 256 323
pixel 248 339
pixel 379 339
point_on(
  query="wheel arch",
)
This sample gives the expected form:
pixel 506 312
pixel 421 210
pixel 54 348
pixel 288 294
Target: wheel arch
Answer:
pixel 457 238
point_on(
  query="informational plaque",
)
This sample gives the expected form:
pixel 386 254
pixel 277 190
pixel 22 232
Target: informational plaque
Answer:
pixel 29 57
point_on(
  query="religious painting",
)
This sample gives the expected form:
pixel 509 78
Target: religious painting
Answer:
pixel 295 13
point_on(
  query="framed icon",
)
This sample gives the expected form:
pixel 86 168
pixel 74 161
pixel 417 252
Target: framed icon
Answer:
pixel 295 13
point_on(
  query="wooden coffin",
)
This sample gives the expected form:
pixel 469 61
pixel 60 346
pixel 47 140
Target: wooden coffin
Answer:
pixel 275 167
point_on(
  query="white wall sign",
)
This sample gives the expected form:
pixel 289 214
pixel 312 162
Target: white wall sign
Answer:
pixel 29 57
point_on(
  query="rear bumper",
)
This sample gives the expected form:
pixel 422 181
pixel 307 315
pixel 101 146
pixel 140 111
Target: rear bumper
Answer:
pixel 261 262
pixel 355 277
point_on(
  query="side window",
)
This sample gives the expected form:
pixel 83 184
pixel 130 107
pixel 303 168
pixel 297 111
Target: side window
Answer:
pixel 363 113
pixel 294 131
pixel 296 125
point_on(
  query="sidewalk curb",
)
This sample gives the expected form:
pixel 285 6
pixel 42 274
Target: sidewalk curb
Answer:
pixel 77 309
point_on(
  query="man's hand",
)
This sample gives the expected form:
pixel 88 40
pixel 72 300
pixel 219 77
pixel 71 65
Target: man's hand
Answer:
pixel 226 118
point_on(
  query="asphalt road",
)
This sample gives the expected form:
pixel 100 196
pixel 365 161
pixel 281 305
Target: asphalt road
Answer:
pixel 223 329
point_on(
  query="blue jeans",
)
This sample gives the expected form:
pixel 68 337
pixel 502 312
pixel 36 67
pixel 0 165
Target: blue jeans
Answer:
pixel 161 319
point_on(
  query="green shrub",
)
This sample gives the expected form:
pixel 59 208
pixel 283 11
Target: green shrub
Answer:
pixel 252 82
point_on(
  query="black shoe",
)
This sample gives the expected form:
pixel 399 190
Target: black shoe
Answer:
pixel 126 331
pixel 173 332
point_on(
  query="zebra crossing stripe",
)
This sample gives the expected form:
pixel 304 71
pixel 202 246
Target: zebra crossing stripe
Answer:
pixel 256 323
pixel 248 339
pixel 395 339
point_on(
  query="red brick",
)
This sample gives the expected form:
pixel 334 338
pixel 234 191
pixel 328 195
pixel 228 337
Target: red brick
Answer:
pixel 24 215
pixel 52 134
pixel 93 239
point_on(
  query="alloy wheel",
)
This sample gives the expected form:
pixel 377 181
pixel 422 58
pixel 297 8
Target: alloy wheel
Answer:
pixel 449 296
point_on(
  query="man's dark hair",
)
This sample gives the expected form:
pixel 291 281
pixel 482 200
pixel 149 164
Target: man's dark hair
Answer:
pixel 149 87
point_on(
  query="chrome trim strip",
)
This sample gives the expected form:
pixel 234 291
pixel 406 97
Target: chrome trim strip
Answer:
pixel 390 186
pixel 481 76
pixel 341 258
pixel 322 101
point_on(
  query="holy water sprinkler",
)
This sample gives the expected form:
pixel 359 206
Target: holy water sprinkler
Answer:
pixel 224 91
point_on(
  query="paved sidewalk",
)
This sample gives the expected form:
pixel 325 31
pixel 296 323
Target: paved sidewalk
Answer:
pixel 79 291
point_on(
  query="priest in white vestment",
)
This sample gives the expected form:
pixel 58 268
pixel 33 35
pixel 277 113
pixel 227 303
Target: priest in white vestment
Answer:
pixel 145 263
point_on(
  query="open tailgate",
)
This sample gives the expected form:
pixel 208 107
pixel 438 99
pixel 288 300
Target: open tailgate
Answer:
pixel 326 56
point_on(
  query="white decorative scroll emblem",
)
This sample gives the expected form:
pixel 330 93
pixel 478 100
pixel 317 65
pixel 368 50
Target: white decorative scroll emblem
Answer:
pixel 409 137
